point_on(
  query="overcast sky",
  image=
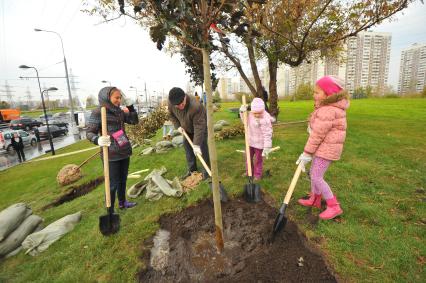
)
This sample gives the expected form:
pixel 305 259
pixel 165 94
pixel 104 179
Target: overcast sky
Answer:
pixel 119 52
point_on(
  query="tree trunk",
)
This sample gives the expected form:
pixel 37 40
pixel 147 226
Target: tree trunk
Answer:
pixel 257 81
pixel 273 95
pixel 212 152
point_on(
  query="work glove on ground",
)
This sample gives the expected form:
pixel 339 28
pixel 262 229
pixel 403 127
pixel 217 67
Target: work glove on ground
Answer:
pixel 303 160
pixel 266 151
pixel 104 141
pixel 197 150
pixel 243 108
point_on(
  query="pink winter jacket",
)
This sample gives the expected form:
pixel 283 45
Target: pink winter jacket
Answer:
pixel 328 128
pixel 260 130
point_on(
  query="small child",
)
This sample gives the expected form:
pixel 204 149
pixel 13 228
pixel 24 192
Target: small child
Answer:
pixel 260 134
pixel 327 133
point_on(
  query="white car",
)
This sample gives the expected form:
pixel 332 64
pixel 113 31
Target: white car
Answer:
pixel 7 135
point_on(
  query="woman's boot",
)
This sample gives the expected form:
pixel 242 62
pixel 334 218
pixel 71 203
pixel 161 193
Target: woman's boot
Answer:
pixel 126 204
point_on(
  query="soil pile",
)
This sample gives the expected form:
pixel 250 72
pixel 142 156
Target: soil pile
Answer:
pixel 189 253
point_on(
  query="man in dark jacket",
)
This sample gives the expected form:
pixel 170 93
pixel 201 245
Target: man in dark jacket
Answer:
pixel 18 146
pixel 188 114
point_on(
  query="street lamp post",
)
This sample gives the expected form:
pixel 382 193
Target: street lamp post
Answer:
pixel 68 80
pixel 52 149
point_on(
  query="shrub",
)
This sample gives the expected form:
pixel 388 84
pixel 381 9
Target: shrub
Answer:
pixel 239 97
pixel 304 92
pixel 216 97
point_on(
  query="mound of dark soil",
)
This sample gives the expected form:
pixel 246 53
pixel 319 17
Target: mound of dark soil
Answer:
pixel 188 253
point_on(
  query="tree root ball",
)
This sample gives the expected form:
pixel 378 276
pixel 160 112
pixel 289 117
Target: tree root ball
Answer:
pixel 68 174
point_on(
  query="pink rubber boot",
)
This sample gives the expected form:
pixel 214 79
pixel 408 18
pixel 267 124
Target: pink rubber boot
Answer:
pixel 314 201
pixel 333 209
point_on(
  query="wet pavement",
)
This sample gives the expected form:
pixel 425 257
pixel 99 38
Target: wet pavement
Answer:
pixel 10 159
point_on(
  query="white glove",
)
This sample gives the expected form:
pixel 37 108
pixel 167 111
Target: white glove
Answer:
pixel 304 159
pixel 266 152
pixel 243 108
pixel 181 130
pixel 197 150
pixel 104 141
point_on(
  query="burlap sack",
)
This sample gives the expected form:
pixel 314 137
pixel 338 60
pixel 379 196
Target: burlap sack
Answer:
pixel 68 174
pixel 15 238
pixel 12 217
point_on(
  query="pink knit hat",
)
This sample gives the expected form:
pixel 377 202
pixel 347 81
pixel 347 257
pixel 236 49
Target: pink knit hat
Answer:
pixel 330 84
pixel 257 105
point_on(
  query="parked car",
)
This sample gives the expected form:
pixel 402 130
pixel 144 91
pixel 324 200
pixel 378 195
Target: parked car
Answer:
pixel 49 115
pixel 58 123
pixel 55 131
pixel 24 124
pixel 7 135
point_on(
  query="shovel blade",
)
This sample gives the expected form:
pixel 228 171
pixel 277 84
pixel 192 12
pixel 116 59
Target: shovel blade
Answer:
pixel 252 192
pixel 280 220
pixel 109 224
pixel 223 194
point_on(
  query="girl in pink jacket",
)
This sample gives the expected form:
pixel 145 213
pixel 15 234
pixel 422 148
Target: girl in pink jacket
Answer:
pixel 327 133
pixel 259 123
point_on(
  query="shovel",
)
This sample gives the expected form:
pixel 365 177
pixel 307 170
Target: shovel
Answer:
pixel 223 194
pixel 251 190
pixel 281 220
pixel 109 223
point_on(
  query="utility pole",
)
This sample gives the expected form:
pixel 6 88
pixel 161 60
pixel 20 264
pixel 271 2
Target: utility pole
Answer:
pixel 8 90
pixel 29 97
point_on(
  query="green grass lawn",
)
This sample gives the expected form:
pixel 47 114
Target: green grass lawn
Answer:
pixel 380 182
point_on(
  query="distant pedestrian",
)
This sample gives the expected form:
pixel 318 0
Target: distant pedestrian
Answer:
pixel 18 146
pixel 265 98
pixel 37 134
pixel 197 97
pixel 327 132
pixel 205 99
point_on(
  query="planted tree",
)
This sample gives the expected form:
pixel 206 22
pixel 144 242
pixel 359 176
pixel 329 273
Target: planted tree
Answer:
pixel 189 23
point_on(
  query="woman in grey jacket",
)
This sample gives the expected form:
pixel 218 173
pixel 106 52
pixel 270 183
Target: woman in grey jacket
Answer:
pixel 119 147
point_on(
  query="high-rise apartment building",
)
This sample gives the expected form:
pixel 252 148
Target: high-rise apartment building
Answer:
pixel 367 61
pixel 310 73
pixel 412 73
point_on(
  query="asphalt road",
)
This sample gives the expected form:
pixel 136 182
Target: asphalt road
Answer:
pixel 10 159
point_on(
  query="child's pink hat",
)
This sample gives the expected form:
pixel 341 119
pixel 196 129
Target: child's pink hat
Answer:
pixel 330 84
pixel 257 105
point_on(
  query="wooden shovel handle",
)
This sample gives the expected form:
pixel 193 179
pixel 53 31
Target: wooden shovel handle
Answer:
pixel 87 160
pixel 246 136
pixel 106 161
pixel 198 155
pixel 292 184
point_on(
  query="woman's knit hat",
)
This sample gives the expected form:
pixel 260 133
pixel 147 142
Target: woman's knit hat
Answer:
pixel 257 105
pixel 330 84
